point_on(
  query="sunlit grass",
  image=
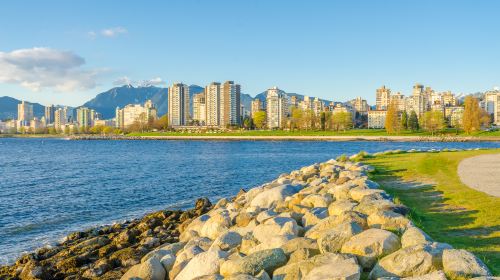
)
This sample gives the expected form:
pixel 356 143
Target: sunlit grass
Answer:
pixel 445 208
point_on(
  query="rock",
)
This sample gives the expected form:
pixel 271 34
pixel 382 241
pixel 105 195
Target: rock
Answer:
pixel 227 241
pixel 414 236
pixel 332 240
pixel 187 253
pixel 252 264
pixel 312 217
pixel 299 243
pixel 388 220
pixel 461 263
pixel 168 261
pixel 278 226
pixel 210 277
pixel 151 269
pixel 271 196
pixel 205 263
pixel 317 200
pixel 416 260
pixel 436 275
pixel 333 221
pixel 340 206
pixel 370 245
pixel 346 269
pixel 298 270
pixel 359 193
pixel 218 223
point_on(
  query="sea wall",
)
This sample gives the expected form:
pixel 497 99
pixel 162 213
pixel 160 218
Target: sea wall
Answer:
pixel 324 221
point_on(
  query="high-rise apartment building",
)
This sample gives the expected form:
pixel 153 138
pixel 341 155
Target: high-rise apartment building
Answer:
pixel 492 105
pixel 85 117
pixel 24 112
pixel 49 114
pixel 60 118
pixel 277 108
pixel 212 104
pixel 230 104
pixel 360 105
pixel 376 118
pixel 317 106
pixel 418 101
pixel 399 100
pixel 199 108
pixel 135 113
pixel 383 98
pixel 178 104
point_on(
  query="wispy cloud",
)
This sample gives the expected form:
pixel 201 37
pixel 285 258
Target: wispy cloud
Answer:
pixel 39 68
pixel 144 83
pixel 107 32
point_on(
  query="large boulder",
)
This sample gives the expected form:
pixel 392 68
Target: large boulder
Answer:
pixel 333 221
pixel 345 269
pixel 151 269
pixel 227 241
pixel 218 223
pixel 317 200
pixel 370 245
pixel 389 220
pixel 332 240
pixel 278 226
pixel 252 264
pixel 341 206
pixel 414 236
pixel 416 260
pixel 298 270
pixel 436 275
pixel 269 197
pixel 206 263
pixel 461 263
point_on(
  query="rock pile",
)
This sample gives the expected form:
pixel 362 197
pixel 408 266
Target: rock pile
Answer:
pixel 105 252
pixel 324 221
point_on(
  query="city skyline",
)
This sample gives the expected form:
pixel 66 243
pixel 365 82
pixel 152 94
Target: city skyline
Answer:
pixel 334 51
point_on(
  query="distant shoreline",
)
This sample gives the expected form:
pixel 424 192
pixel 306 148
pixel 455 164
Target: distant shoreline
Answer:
pixel 294 138
pixel 325 138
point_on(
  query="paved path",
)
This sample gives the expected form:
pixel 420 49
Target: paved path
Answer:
pixel 481 173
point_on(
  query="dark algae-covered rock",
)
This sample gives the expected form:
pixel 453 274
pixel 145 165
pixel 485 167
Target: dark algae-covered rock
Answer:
pixel 105 252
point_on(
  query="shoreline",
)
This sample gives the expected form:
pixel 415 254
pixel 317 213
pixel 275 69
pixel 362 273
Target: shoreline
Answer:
pixel 339 138
pixel 312 138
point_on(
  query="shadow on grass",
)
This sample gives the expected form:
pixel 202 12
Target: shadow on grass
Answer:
pixel 443 222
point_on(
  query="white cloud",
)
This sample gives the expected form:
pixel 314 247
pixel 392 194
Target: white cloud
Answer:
pixel 123 81
pixel 113 32
pixel 144 83
pixel 40 68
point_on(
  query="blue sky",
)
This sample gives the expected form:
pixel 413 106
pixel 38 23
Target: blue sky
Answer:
pixel 65 52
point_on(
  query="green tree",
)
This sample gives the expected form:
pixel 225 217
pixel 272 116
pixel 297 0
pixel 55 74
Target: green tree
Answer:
pixel 259 119
pixel 433 121
pixel 471 119
pixel 341 121
pixel 296 118
pixel 247 123
pixel 161 123
pixel 413 124
pixel 404 120
pixel 392 122
pixel 322 118
pixel 66 130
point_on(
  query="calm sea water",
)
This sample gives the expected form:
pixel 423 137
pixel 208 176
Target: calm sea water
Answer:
pixel 51 187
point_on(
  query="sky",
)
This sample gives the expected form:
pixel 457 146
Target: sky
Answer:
pixel 66 52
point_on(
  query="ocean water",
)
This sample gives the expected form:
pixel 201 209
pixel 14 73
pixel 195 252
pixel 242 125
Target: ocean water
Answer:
pixel 51 187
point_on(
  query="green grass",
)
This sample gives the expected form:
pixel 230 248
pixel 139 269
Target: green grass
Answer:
pixel 446 209
pixel 353 132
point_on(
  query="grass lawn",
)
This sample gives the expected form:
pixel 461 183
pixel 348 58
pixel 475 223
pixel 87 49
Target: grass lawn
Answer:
pixel 352 132
pixel 441 205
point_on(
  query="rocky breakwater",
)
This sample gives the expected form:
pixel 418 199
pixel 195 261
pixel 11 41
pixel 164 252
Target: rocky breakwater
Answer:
pixel 105 252
pixel 324 221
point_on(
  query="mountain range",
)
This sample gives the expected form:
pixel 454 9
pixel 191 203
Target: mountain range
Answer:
pixel 106 102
